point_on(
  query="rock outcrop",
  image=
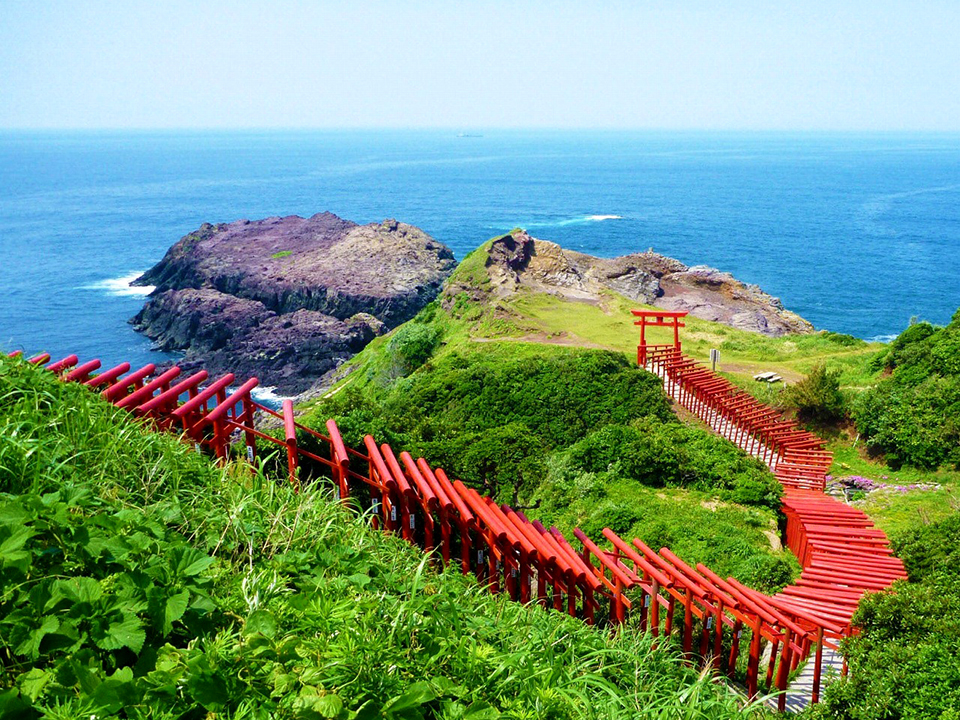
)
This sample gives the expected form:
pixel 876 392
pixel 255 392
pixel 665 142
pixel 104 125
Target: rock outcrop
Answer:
pixel 518 262
pixel 288 299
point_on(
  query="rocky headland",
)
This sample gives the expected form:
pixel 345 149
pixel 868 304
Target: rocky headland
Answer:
pixel 518 262
pixel 288 299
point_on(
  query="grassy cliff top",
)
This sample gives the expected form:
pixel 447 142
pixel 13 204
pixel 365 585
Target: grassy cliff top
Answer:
pixel 472 315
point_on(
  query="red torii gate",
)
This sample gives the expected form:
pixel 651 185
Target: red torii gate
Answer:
pixel 657 318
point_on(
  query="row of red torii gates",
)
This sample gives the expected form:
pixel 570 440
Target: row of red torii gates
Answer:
pixel 717 621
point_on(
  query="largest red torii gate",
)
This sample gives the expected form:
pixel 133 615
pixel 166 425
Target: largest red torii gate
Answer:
pixel 657 318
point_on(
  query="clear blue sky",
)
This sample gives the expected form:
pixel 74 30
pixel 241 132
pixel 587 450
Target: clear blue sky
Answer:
pixel 797 65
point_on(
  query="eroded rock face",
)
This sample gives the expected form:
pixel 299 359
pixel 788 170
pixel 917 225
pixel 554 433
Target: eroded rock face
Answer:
pixel 321 263
pixel 288 299
pixel 519 261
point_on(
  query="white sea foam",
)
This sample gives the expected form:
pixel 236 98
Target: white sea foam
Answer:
pixel 121 287
pixel 268 396
pixel 882 338
pixel 580 220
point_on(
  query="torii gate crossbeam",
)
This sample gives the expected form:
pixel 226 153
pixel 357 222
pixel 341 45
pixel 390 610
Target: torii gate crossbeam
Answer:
pixel 657 318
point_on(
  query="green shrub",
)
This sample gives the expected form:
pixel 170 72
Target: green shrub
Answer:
pixel 842 339
pixel 914 425
pixel 492 421
pixel 913 416
pixel 903 663
pixel 647 456
pixel 817 398
pixel 358 413
pixel 507 463
pixel 904 350
pixel 620 517
pixel 658 454
pixel 559 396
pixel 411 346
pixel 931 550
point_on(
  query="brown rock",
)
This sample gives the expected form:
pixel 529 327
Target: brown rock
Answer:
pixel 288 299
pixel 518 261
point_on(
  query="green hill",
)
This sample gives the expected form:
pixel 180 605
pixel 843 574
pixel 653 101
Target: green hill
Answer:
pixel 142 581
pixel 470 326
pixel 564 422
pixel 536 399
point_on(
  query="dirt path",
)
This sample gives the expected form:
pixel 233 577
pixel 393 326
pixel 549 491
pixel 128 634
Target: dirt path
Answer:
pixel 544 339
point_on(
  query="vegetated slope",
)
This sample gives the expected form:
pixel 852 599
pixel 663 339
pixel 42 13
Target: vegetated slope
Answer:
pixel 913 416
pixel 141 581
pixel 913 624
pixel 904 663
pixel 890 418
pixel 580 434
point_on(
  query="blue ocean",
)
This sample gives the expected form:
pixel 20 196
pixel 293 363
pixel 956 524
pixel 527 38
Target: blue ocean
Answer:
pixel 857 233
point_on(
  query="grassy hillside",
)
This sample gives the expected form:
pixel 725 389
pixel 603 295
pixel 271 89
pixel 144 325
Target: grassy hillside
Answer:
pixel 657 479
pixel 543 319
pixel 393 390
pixel 141 581
pixel 562 422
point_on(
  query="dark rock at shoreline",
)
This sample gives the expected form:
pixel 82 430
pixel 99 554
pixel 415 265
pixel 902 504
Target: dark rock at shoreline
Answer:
pixel 518 262
pixel 322 263
pixel 288 299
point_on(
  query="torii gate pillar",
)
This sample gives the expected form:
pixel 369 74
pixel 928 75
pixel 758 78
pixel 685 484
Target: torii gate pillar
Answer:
pixel 657 318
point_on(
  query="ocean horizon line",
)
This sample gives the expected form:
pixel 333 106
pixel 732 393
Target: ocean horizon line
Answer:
pixel 507 129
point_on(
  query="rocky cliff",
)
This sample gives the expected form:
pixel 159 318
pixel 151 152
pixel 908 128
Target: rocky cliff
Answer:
pixel 288 299
pixel 518 262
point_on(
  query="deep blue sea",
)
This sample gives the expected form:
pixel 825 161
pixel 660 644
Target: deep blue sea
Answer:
pixel 857 233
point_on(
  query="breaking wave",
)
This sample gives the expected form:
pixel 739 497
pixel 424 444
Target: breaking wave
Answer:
pixel 268 396
pixel 121 287
pixel 580 220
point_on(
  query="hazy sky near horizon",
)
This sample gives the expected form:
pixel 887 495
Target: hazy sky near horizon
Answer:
pixel 741 64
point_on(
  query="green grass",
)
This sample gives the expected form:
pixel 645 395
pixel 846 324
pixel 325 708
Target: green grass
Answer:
pixel 896 512
pixel 730 539
pixel 141 581
pixel 742 354
pixel 471 272
pixel 282 254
